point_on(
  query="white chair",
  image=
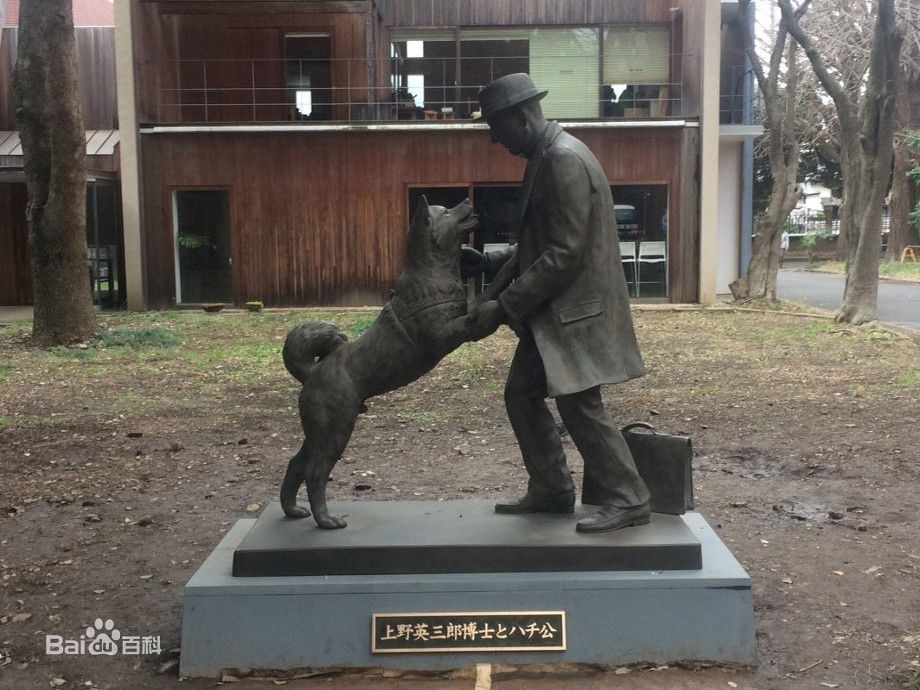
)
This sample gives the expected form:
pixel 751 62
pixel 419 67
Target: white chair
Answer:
pixel 628 258
pixel 652 253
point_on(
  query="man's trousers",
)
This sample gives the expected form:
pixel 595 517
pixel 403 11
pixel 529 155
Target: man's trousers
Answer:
pixel 610 472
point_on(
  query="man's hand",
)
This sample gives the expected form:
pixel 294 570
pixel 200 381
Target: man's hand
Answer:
pixel 472 262
pixel 485 319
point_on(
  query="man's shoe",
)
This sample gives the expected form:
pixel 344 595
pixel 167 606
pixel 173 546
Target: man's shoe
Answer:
pixel 556 503
pixel 610 518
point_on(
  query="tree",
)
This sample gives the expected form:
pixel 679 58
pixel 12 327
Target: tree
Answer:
pixel 50 121
pixel 865 115
pixel 913 143
pixel 779 101
pixel 908 119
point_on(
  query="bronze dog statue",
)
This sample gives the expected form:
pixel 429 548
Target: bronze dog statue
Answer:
pixel 424 320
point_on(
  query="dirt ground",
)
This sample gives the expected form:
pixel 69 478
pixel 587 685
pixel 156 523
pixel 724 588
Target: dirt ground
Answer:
pixel 122 465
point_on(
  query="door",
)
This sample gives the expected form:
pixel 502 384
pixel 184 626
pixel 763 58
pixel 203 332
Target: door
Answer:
pixel 308 75
pixel 202 241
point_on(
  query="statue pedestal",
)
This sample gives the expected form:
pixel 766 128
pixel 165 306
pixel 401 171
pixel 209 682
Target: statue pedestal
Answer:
pixel 306 597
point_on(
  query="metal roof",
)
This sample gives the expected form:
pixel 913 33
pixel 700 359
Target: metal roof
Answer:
pixel 86 13
pixel 99 142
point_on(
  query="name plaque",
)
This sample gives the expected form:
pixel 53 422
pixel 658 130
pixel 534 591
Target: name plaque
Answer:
pixel 481 631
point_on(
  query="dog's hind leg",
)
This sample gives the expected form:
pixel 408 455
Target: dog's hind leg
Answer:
pixel 322 459
pixel 292 479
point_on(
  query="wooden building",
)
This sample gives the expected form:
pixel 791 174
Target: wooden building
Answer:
pixel 273 149
pixel 94 27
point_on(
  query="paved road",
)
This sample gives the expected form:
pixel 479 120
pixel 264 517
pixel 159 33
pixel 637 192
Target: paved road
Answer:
pixel 897 302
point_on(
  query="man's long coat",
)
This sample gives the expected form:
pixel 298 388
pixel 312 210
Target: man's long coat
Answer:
pixel 569 287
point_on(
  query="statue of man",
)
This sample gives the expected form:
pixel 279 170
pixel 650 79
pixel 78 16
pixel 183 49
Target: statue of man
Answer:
pixel 570 308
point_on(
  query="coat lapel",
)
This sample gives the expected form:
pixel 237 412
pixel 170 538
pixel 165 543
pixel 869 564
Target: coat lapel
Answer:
pixel 553 129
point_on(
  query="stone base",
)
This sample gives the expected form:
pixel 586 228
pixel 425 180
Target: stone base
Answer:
pixel 427 537
pixel 612 617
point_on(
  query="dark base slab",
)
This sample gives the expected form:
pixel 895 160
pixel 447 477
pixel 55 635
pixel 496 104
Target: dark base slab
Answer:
pixel 427 537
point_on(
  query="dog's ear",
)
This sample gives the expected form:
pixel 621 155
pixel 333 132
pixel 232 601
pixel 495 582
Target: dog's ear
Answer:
pixel 422 213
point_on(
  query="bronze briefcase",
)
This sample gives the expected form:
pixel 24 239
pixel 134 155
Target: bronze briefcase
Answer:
pixel 665 462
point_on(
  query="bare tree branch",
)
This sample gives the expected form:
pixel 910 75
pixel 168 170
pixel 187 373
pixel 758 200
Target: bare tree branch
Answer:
pixel 834 88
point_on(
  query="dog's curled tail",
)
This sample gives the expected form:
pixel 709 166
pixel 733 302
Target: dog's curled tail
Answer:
pixel 307 344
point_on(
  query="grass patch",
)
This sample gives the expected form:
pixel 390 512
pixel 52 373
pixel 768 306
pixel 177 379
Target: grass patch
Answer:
pixel 874 336
pixel 239 361
pixel 419 416
pixel 897 269
pixel 147 337
pixel 910 378
pixel 16 329
pixel 118 342
pixel 361 325
pixel 471 359
pixel 828 266
pixel 888 269
pixel 908 679
pixel 5 370
pixel 74 353
pixel 808 334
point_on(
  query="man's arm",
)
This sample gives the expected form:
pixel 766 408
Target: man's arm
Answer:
pixel 473 262
pixel 567 207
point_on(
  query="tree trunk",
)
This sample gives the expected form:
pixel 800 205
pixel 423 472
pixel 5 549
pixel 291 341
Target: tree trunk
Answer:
pixel 760 278
pixel 849 155
pixel 900 229
pixel 860 298
pixel 901 193
pixel 51 128
pixel 763 267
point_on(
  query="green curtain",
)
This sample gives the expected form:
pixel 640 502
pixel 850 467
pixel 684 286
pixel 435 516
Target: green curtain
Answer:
pixel 637 55
pixel 566 63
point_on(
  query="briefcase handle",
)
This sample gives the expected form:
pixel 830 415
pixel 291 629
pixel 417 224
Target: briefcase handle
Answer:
pixel 638 425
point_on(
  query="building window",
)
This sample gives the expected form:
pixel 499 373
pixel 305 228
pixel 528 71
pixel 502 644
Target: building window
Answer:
pixel 486 55
pixel 423 74
pixel 415 87
pixel 566 63
pixel 497 207
pixel 304 103
pixel 632 80
pixel 308 75
pixel 636 71
pixel 642 223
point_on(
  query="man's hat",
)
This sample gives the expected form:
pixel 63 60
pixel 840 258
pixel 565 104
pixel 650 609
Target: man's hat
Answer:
pixel 507 92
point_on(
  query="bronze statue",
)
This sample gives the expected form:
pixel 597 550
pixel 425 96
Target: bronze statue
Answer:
pixel 424 320
pixel 570 308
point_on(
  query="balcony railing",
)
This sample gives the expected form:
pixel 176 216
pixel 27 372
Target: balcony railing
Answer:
pixel 739 98
pixel 346 90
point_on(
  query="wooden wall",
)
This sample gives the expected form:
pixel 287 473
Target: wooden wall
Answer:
pixel 96 70
pixel 321 218
pixel 15 266
pixel 193 30
pixel 691 57
pixel 520 12
pixel 243 43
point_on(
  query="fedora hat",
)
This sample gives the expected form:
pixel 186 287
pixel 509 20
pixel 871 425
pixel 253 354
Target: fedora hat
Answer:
pixel 507 92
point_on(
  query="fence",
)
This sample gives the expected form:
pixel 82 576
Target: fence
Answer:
pixel 428 89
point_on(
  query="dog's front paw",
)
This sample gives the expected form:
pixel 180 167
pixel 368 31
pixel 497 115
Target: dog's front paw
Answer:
pixel 296 512
pixel 330 522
